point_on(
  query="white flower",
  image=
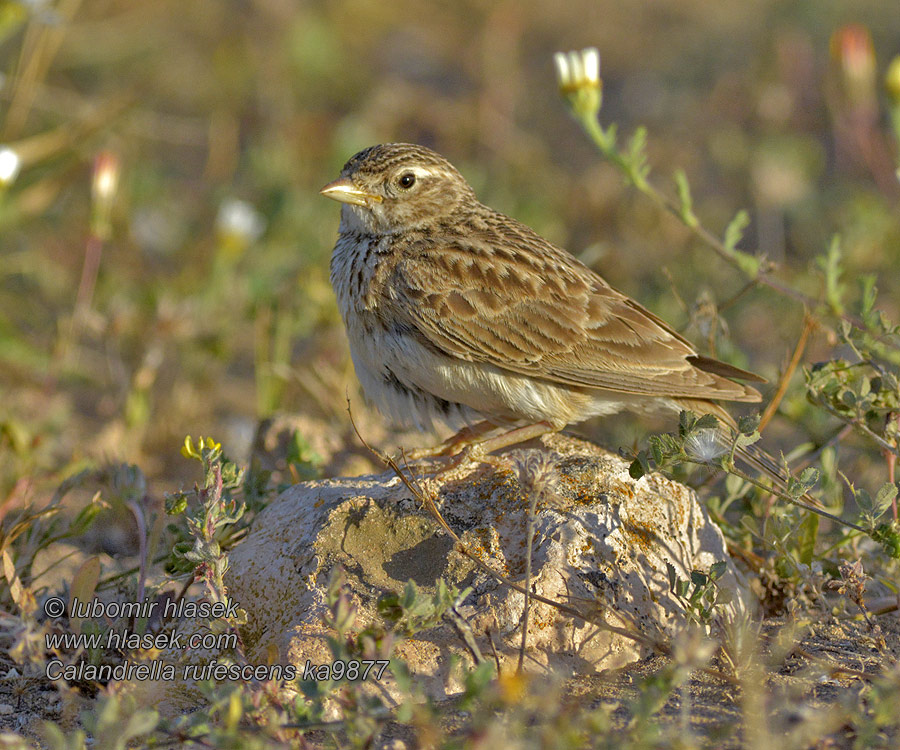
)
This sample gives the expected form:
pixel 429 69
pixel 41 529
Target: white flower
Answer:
pixel 563 75
pixel 578 74
pixel 240 220
pixel 575 70
pixel 590 58
pixel 705 445
pixel 9 166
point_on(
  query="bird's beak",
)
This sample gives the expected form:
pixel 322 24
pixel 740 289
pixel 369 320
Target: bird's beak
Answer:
pixel 344 191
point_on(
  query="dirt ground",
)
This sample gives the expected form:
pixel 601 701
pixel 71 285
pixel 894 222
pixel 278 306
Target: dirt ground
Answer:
pixel 822 676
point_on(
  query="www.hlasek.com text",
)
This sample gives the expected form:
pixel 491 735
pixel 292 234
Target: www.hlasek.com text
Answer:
pixel 124 640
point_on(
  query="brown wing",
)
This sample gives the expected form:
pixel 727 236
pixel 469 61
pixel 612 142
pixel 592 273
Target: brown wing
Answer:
pixel 496 292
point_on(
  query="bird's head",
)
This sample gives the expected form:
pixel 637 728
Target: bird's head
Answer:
pixel 397 186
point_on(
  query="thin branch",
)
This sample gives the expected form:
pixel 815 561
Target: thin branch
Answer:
pixel 808 324
pixel 529 542
pixel 138 514
pixel 784 496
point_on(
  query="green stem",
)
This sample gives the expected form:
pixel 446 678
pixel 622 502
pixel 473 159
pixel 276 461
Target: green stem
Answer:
pixel 784 496
pixel 605 142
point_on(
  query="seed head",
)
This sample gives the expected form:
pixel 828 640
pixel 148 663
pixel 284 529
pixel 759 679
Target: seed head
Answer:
pixel 704 445
pixel 536 472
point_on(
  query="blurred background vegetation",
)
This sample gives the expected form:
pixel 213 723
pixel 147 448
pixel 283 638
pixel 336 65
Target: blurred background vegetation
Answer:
pixel 164 250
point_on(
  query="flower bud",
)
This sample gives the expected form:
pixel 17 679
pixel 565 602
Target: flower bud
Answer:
pixel 854 53
pixel 578 76
pixel 104 185
pixel 10 163
pixel 238 225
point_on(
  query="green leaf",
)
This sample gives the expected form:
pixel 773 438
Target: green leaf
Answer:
pixel 808 477
pixel 748 439
pixel 733 484
pixel 87 515
pixel 176 503
pixel 706 422
pixel 640 466
pixel 798 487
pixel 876 507
pixel 685 201
pixel 869 296
pixel 657 449
pixel 699 578
pixel 734 232
pixel 809 529
pixel 748 425
pixel 885 534
pixel 402 676
pixel 830 265
pixel 410 592
pixel 865 387
pixel 636 155
pixel 301 455
pixel 686 421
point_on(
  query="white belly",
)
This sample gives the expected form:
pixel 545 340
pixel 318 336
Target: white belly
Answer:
pixel 413 385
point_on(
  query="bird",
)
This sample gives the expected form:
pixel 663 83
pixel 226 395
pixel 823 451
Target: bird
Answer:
pixel 457 313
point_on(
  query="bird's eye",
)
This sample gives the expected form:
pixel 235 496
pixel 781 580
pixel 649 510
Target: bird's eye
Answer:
pixel 407 180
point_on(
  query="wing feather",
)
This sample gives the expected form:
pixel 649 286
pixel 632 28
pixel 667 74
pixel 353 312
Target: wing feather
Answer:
pixel 496 292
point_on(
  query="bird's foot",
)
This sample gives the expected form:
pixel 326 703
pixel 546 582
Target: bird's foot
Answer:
pixel 452 446
pixel 459 452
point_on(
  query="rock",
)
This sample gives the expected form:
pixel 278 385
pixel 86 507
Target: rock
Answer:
pixel 602 541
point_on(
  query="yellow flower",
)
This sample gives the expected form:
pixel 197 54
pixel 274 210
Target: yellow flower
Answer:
pixel 892 80
pixel 189 451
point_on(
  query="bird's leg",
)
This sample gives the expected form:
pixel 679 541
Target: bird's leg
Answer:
pixel 480 450
pixel 514 437
pixel 455 444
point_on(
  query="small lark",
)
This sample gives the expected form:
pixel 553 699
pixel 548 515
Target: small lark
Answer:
pixel 455 311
